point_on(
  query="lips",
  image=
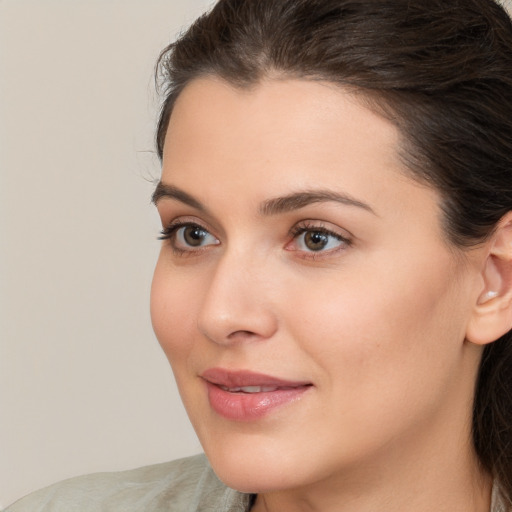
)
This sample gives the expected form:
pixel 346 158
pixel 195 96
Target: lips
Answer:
pixel 250 389
pixel 248 396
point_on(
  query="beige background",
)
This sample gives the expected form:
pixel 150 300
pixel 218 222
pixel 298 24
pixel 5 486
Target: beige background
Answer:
pixel 83 384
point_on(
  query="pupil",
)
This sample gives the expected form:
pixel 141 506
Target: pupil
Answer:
pixel 194 235
pixel 316 240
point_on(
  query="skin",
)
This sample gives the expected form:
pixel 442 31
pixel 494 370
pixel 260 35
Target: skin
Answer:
pixel 376 321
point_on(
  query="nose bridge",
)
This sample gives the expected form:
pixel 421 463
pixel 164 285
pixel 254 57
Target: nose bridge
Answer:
pixel 237 304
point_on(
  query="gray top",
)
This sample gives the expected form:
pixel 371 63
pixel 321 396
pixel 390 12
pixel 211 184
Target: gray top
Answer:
pixel 185 485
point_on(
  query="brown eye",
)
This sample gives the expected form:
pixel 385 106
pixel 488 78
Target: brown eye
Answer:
pixel 189 237
pixel 194 236
pixel 316 240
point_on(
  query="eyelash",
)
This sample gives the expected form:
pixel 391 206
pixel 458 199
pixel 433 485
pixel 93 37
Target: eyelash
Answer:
pixel 309 227
pixel 169 232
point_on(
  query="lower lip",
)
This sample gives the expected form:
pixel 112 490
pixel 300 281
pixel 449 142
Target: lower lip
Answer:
pixel 250 406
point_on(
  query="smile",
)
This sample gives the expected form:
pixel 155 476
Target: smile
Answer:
pixel 246 396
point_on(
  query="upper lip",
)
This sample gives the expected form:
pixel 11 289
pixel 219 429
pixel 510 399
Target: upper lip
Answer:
pixel 243 378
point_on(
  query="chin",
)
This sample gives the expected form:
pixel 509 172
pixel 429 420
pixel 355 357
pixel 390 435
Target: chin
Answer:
pixel 256 469
pixel 250 477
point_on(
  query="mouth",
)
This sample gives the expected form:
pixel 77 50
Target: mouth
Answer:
pixel 248 396
pixel 254 389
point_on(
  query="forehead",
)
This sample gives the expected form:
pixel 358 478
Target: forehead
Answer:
pixel 284 135
pixel 276 121
pixel 280 102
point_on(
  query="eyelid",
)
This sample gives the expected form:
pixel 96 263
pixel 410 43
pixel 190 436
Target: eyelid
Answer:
pixel 184 220
pixel 170 211
pixel 170 230
pixel 321 225
pixel 345 238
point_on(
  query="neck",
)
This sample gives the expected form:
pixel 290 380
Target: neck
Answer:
pixel 440 476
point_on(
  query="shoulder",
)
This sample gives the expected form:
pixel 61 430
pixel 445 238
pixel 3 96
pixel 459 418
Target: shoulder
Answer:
pixel 499 502
pixel 183 485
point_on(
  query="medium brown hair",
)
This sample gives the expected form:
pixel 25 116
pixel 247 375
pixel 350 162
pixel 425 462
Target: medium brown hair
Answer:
pixel 441 70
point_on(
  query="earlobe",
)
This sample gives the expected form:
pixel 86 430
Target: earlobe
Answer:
pixel 492 315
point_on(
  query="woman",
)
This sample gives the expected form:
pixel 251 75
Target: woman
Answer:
pixel 334 288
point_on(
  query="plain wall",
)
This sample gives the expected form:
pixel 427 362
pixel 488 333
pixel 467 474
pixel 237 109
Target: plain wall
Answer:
pixel 84 385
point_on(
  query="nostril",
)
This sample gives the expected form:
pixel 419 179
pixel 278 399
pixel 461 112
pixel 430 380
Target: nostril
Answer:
pixel 242 335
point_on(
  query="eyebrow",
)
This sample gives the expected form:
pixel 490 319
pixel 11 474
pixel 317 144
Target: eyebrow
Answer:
pixel 168 191
pixel 298 200
pixel 275 206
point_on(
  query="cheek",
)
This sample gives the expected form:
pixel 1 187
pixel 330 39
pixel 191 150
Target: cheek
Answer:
pixel 172 311
pixel 381 338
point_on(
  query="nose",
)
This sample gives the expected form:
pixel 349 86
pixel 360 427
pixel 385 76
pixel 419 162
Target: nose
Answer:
pixel 238 303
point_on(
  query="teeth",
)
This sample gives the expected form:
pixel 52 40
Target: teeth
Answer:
pixel 250 389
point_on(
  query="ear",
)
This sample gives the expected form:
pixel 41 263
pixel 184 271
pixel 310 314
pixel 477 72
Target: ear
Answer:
pixel 492 315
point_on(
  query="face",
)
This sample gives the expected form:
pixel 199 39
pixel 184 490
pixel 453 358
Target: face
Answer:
pixel 307 300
